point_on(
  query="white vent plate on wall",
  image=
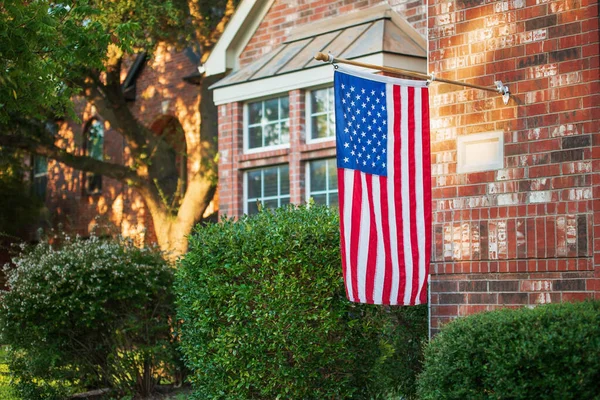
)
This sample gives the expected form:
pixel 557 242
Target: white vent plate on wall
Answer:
pixel 480 152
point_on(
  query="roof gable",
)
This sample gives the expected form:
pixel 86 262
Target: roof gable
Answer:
pixel 358 34
pixel 236 35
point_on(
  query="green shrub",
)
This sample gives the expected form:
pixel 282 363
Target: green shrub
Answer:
pixel 92 313
pixel 549 352
pixel 265 315
pixel 6 391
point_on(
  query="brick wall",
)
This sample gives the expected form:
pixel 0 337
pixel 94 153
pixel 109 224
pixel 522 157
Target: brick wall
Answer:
pixel 160 92
pixel 528 233
pixel 285 15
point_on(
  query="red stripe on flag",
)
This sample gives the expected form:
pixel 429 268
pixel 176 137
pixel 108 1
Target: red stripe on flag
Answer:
pixel 387 277
pixel 372 255
pixel 355 232
pixel 342 229
pixel 426 186
pixel 398 191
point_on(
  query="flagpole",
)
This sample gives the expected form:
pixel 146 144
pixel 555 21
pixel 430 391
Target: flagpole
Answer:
pixel 429 306
pixel 500 88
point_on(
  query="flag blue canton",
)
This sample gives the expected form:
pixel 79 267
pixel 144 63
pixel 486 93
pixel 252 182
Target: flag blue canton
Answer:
pixel 361 124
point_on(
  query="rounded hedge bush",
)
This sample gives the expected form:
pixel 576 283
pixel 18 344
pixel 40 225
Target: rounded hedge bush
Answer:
pixel 264 315
pixel 87 314
pixel 549 352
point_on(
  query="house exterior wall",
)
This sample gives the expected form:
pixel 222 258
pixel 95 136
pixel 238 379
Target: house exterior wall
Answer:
pixel 282 17
pixel 525 234
pixel 528 233
pixel 119 209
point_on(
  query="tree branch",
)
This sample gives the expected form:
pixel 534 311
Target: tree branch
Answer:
pixel 111 105
pixel 44 146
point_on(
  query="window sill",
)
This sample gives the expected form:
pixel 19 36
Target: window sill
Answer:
pixel 317 150
pixel 270 157
pixel 264 154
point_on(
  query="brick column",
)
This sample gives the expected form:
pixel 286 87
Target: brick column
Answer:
pixel 230 148
pixel 297 139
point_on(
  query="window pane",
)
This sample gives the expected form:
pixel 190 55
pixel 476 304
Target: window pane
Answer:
pixel 252 207
pixel 268 123
pixel 254 137
pixel 332 172
pixel 269 185
pixel 270 176
pixel 331 123
pixel 284 177
pixel 40 165
pixel 284 107
pixel 333 199
pixel 285 201
pixel 271 133
pixel 320 198
pixel 318 101
pixel 320 126
pixel 271 110
pixel 270 203
pixel 95 141
pixel 93 183
pixel 317 176
pixel 254 184
pixel 39 186
pixel 285 132
pixel 254 113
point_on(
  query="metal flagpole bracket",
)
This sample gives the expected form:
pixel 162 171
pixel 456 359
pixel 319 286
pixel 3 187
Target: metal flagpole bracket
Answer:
pixel 503 90
pixel 431 78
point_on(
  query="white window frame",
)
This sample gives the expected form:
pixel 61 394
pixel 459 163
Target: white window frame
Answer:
pixel 39 175
pixel 308 194
pixel 87 174
pixel 247 149
pixel 262 189
pixel 308 115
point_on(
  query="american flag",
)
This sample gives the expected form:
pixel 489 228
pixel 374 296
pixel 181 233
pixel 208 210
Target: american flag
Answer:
pixel 384 183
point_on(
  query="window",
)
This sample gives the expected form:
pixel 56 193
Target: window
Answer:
pixel 94 148
pixel 40 176
pixel 320 114
pixel 172 176
pixel 322 182
pixel 269 186
pixel 268 123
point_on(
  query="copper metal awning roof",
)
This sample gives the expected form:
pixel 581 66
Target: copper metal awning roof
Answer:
pixel 377 30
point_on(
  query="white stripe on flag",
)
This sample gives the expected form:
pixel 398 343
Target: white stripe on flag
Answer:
pixel 391 195
pixel 348 190
pixel 380 261
pixel 419 191
pixel 363 239
pixel 408 262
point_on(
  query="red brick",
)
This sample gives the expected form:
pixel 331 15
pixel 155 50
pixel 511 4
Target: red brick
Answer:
pixel 546 170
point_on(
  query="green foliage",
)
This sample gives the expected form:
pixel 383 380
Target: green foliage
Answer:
pixel 40 47
pixel 549 352
pixel 92 313
pixel 265 315
pixel 48 47
pixel 6 391
pixel 19 208
pixel 212 12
